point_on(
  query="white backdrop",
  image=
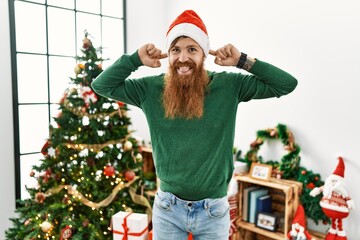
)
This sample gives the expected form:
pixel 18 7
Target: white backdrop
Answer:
pixel 316 41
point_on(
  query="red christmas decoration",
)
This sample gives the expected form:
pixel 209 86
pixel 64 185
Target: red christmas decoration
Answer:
pixel 310 185
pixel 121 104
pixel 40 197
pixel 66 233
pixel 298 227
pixel 47 175
pixel 336 202
pixel 44 149
pixel 109 171
pixel 129 175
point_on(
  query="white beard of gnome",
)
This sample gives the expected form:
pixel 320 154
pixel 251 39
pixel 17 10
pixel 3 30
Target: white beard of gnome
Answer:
pixel 336 202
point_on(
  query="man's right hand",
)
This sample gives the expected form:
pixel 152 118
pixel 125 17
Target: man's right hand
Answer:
pixel 150 55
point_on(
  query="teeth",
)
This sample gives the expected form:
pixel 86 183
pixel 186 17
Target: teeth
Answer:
pixel 184 69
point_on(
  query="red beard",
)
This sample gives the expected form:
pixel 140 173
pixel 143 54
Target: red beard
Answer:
pixel 184 94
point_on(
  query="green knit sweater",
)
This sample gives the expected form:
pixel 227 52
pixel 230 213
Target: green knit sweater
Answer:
pixel 193 158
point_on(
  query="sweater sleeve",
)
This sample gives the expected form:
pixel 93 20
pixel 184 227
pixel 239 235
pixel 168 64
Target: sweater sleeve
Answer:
pixel 114 83
pixel 265 81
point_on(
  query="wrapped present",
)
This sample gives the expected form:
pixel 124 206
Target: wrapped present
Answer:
pixel 130 226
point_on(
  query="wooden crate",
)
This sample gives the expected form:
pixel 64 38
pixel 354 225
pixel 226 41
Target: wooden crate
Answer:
pixel 148 166
pixel 286 194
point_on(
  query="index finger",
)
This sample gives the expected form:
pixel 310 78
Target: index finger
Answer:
pixel 163 55
pixel 212 52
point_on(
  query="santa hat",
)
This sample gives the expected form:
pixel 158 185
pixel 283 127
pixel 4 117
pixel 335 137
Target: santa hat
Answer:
pixel 189 24
pixel 340 169
pixel 299 219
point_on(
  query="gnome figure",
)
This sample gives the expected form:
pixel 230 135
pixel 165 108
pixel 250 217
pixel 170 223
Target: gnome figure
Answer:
pixel 336 202
pixel 298 227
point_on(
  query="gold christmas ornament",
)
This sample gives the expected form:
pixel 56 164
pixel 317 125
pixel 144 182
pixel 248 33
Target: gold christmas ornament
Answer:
pixel 46 226
pixel 128 146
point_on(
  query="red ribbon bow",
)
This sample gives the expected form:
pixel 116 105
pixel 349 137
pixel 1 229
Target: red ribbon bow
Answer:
pixel 126 232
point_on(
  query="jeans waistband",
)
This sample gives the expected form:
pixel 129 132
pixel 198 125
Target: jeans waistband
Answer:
pixel 176 200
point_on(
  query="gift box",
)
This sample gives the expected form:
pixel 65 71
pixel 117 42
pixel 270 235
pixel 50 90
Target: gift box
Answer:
pixel 130 226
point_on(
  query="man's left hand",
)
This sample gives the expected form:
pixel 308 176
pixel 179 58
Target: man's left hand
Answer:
pixel 228 55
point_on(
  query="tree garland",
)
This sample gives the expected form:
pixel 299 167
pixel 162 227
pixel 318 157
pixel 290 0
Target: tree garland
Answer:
pixel 288 167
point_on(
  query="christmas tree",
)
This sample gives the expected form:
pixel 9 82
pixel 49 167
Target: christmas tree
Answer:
pixel 91 167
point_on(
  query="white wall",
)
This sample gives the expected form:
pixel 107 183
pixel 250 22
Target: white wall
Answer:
pixel 7 179
pixel 316 41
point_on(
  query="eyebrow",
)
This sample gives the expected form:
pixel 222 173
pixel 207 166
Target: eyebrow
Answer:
pixel 187 46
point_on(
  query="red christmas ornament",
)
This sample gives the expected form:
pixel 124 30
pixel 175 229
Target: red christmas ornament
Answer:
pixel 66 233
pixel 121 104
pixel 109 171
pixel 129 175
pixel 40 197
pixel 310 185
pixel 44 149
pixel 303 172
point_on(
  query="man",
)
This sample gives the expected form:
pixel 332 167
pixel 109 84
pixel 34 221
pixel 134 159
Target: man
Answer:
pixel 191 116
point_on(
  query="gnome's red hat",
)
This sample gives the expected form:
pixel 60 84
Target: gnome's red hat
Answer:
pixel 189 24
pixel 340 169
pixel 299 218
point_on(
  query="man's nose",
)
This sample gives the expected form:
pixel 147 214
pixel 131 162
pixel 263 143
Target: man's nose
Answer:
pixel 183 57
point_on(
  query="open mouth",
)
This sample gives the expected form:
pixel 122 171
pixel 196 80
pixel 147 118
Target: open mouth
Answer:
pixel 184 70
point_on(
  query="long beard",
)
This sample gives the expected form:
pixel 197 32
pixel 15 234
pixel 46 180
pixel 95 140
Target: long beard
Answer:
pixel 184 95
pixel 337 187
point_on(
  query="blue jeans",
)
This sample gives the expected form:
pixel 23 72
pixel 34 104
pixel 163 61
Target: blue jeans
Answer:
pixel 174 218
